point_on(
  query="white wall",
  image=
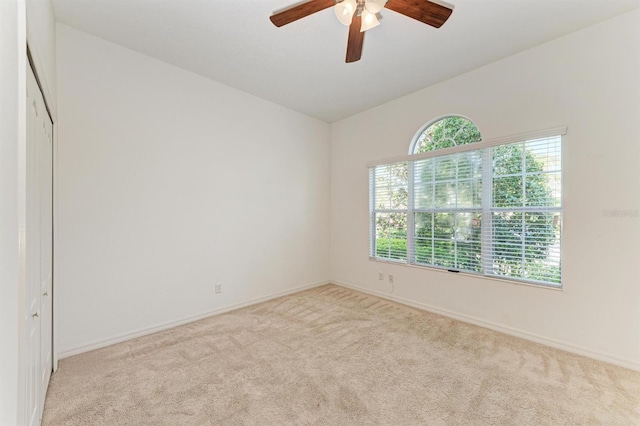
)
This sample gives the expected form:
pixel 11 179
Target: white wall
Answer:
pixel 169 182
pixel 12 104
pixel 588 81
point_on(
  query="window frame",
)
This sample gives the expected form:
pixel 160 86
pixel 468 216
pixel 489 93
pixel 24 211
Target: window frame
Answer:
pixel 487 248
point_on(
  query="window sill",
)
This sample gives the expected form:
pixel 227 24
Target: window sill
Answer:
pixel 468 274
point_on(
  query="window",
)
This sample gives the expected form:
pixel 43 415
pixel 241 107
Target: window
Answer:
pixel 459 203
pixel 446 133
pixel 390 192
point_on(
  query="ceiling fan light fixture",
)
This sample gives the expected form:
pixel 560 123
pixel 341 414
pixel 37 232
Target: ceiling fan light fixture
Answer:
pixel 369 20
pixel 360 16
pixel 374 6
pixel 345 10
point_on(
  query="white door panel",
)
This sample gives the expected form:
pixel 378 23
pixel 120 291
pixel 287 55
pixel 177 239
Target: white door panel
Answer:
pixel 38 291
pixel 32 320
pixel 46 265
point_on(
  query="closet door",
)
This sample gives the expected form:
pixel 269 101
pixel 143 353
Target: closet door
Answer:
pixel 32 245
pixel 38 244
pixel 45 171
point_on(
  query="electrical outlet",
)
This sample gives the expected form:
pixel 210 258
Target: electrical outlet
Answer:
pixel 218 288
pixel 381 276
pixel 390 279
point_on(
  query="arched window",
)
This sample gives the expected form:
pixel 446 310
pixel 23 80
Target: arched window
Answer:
pixel 445 132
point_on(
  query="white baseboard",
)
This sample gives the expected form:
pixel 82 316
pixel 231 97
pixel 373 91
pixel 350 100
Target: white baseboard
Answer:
pixel 170 324
pixel 600 356
pixel 633 365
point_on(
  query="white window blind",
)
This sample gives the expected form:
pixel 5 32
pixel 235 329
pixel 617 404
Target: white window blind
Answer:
pixel 526 211
pixel 494 211
pixel 389 203
pixel 447 210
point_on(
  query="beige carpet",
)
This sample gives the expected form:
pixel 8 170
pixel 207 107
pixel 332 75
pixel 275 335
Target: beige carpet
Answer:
pixel 331 356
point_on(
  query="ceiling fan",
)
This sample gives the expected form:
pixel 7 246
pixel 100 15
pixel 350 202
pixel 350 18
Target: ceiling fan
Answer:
pixel 360 15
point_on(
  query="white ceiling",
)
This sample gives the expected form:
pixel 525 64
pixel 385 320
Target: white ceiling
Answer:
pixel 302 65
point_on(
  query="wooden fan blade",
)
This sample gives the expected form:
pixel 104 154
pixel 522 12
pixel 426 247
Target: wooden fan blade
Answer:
pixel 356 39
pixel 423 10
pixel 300 11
